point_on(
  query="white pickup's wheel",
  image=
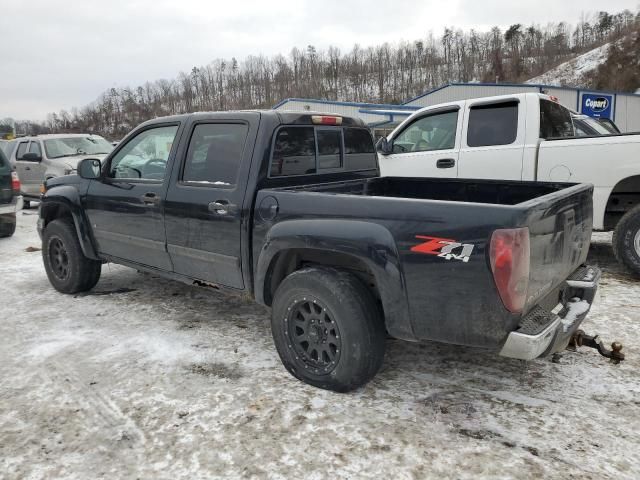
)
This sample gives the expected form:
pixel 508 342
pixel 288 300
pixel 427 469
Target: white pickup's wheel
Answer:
pixel 626 240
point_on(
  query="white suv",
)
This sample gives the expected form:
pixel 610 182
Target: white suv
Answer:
pixel 42 157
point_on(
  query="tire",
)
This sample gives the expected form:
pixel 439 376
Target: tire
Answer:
pixel 26 204
pixel 7 225
pixel 68 270
pixel 626 240
pixel 338 319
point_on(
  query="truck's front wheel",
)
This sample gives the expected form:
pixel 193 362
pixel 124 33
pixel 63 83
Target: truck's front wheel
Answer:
pixel 68 270
pixel 626 240
pixel 328 329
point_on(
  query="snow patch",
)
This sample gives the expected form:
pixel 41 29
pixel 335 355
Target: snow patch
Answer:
pixel 154 347
pixel 48 349
pixel 576 308
pixel 573 71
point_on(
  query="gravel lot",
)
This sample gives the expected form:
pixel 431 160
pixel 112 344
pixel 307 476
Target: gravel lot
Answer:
pixel 145 378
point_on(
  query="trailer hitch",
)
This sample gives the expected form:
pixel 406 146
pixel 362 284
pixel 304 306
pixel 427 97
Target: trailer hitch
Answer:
pixel 581 339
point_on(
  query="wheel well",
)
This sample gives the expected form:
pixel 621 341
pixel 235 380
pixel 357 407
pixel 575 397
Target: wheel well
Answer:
pixel 55 211
pixel 291 260
pixel 625 196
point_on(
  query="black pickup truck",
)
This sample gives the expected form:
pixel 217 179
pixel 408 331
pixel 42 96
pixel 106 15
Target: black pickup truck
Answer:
pixel 290 208
pixel 10 199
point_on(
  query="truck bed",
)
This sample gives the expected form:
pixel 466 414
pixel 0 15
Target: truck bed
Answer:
pixel 499 192
pixel 452 299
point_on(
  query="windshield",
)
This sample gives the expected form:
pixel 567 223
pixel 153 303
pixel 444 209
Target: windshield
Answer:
pixel 70 146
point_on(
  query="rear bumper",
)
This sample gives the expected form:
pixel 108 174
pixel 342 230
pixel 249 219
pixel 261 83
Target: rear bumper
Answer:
pixel 545 332
pixel 13 207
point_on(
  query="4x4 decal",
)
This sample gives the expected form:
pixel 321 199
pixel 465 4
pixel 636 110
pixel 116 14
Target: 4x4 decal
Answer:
pixel 444 248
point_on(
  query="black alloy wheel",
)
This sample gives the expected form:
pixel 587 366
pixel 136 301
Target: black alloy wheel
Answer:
pixel 59 259
pixel 314 335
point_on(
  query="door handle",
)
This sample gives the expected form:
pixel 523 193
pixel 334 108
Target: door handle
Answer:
pixel 446 163
pixel 27 168
pixel 150 199
pixel 222 207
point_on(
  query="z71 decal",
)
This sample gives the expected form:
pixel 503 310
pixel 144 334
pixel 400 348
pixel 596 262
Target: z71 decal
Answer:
pixel 444 248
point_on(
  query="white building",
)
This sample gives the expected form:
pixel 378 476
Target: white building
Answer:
pixel 622 108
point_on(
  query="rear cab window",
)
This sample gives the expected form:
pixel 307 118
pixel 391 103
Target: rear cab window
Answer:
pixel 309 150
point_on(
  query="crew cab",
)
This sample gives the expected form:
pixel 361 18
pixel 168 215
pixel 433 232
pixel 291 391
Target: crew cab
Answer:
pixel 290 209
pixel 527 137
pixel 10 198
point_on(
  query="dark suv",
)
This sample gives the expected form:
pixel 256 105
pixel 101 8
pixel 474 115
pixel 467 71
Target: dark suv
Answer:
pixel 10 199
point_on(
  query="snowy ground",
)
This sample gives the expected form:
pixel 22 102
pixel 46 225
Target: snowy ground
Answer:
pixel 150 379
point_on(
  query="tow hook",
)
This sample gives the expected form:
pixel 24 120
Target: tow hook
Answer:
pixel 581 339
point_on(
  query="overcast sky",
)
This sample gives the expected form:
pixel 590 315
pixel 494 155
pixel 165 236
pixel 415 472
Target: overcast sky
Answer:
pixel 61 54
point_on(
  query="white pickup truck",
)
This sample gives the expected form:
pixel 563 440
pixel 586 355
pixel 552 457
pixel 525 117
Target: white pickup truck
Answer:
pixel 529 137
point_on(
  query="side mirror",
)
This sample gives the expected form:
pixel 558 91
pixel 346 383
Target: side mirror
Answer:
pixel 89 168
pixel 383 146
pixel 31 157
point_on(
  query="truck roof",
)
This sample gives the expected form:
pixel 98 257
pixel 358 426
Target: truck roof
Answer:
pixel 461 103
pixel 282 117
pixel 53 136
pixel 495 98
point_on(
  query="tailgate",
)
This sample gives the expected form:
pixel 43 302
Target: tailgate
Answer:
pixel 6 194
pixel 560 234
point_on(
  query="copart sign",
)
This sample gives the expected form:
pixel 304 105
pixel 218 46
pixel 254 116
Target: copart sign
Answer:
pixel 598 106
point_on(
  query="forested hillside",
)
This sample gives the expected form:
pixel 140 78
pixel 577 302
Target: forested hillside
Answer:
pixel 382 73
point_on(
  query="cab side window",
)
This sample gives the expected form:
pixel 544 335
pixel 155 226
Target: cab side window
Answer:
pixel 495 124
pixel 22 149
pixel 215 154
pixel 433 132
pixel 145 155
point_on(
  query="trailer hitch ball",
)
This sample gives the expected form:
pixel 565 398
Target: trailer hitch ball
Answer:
pixel 581 339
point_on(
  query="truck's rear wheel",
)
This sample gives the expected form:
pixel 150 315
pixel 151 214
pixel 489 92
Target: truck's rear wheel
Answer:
pixel 7 225
pixel 626 240
pixel 68 270
pixel 328 329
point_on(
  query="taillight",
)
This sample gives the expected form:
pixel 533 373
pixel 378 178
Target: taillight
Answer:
pixel 15 183
pixel 509 255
